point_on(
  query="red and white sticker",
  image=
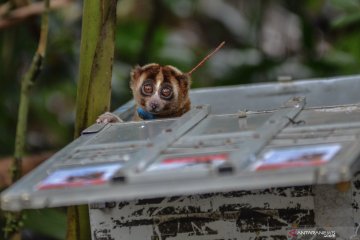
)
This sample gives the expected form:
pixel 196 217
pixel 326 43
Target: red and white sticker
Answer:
pixel 189 162
pixel 313 155
pixel 79 176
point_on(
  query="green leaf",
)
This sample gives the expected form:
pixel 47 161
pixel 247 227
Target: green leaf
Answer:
pixel 346 5
pixel 346 20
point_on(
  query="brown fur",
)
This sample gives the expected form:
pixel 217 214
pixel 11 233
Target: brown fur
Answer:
pixel 161 76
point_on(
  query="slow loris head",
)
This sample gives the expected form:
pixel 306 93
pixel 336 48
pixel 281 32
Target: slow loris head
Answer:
pixel 161 90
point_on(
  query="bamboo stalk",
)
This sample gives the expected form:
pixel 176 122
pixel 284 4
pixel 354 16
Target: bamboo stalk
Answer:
pixel 94 86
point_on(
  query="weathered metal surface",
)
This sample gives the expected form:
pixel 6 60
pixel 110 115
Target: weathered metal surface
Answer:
pixel 258 97
pixel 143 157
pixel 262 214
pixel 271 213
pixel 111 145
pixel 194 201
pixel 264 134
pixel 224 133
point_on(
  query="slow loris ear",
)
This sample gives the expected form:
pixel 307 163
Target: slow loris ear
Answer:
pixel 184 82
pixel 135 74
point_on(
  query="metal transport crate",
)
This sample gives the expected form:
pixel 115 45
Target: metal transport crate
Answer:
pixel 248 161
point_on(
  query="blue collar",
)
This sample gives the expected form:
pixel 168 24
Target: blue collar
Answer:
pixel 144 114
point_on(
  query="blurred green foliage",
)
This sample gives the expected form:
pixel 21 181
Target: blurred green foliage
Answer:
pixel 265 39
pixel 48 222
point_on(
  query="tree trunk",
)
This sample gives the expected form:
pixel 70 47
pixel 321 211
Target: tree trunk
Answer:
pixel 94 86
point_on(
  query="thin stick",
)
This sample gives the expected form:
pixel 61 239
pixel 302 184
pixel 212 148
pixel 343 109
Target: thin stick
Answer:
pixel 206 58
pixel 9 18
pixel 14 220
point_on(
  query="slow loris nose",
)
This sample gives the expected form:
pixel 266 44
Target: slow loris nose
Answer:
pixel 154 105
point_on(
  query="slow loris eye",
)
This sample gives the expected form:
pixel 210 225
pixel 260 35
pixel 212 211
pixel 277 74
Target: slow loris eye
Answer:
pixel 147 89
pixel 166 92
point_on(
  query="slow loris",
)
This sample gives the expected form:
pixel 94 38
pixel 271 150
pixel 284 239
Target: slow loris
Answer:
pixel 159 91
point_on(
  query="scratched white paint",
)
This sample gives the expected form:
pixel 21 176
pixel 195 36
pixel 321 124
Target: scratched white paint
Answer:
pixel 334 211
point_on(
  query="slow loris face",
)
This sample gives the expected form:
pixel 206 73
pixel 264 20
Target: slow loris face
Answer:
pixel 161 90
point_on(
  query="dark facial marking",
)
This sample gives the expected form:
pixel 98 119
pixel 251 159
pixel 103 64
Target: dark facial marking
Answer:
pixel 182 78
pixel 166 75
pixel 176 75
pixel 151 71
